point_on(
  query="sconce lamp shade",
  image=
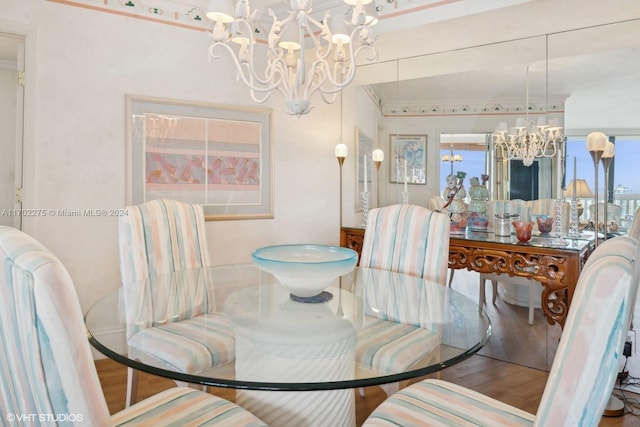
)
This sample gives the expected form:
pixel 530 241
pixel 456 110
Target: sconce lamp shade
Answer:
pixel 371 13
pixel 452 158
pixel 377 155
pixel 220 11
pixel 582 190
pixel 597 141
pixel 340 29
pixel 609 150
pixel 355 2
pixel 341 151
pixel 289 38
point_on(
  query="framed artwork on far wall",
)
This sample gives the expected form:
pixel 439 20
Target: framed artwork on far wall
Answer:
pixel 408 159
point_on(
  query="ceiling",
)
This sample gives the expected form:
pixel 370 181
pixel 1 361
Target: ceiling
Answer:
pixel 430 50
pixel 543 46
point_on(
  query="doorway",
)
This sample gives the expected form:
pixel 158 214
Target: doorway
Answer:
pixel 11 128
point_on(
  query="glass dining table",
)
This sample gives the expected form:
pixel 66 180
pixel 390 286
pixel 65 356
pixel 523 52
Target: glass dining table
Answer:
pixel 296 363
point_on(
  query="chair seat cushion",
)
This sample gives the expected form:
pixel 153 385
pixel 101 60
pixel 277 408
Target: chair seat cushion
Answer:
pixel 187 346
pixel 185 406
pixel 436 402
pixel 393 347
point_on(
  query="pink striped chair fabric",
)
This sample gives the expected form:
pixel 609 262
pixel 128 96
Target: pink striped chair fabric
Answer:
pixel 46 367
pixel 406 239
pixel 584 369
pixel 170 310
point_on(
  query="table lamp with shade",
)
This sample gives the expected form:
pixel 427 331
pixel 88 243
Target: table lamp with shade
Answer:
pixel 579 189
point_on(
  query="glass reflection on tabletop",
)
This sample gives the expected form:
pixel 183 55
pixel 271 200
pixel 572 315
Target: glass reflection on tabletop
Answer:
pixel 282 344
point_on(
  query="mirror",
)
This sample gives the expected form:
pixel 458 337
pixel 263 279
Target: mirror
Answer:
pixel 589 78
pixel 589 82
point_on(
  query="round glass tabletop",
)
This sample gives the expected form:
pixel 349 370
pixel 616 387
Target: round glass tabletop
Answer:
pixel 236 326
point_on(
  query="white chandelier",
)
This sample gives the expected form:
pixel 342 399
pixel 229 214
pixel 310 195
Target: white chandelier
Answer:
pixel 526 141
pixel 287 67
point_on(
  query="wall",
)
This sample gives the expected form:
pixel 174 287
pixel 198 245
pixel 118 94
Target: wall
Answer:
pixel 80 65
pixel 432 126
pixel 8 141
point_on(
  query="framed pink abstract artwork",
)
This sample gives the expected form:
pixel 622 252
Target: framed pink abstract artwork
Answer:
pixel 214 155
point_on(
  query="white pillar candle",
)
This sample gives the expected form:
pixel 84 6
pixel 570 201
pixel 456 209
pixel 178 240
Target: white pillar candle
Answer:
pixel 575 190
pixel 364 160
pixel 559 176
pixel 405 175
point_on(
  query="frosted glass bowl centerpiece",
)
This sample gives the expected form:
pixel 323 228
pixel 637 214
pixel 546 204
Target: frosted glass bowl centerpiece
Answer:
pixel 305 270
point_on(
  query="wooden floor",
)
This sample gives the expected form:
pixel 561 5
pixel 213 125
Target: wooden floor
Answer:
pixel 518 381
pixel 513 384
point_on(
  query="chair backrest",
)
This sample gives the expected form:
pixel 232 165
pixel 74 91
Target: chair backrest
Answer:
pixel 586 364
pixel 159 237
pixel 614 212
pixel 634 230
pixel 515 206
pixel 163 249
pixel 435 203
pixel 45 361
pixel 407 239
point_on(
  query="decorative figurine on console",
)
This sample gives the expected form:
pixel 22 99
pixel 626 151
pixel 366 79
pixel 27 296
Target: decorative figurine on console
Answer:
pixel 477 219
pixel 454 194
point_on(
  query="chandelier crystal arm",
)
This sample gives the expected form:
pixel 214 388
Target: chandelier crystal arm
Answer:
pixel 250 77
pixel 351 71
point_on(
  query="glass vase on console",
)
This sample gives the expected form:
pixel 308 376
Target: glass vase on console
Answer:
pixel 477 215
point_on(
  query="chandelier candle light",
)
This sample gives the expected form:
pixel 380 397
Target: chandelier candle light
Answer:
pixel 452 158
pixel 526 141
pixel 287 69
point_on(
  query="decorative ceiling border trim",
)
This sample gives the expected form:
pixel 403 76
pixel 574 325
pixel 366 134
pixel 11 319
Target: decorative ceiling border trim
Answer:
pixel 473 109
pixel 189 16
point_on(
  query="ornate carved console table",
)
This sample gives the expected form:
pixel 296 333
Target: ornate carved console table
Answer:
pixel 556 264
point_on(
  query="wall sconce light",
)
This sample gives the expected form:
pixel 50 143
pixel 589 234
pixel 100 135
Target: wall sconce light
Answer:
pixel 377 156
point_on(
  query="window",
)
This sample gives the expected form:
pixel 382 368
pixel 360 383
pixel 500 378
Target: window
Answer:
pixel 624 185
pixel 462 152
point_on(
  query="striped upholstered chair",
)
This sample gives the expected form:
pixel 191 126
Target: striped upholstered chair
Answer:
pixel 406 239
pixel 45 361
pixel 584 369
pixel 171 319
pixel 436 203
